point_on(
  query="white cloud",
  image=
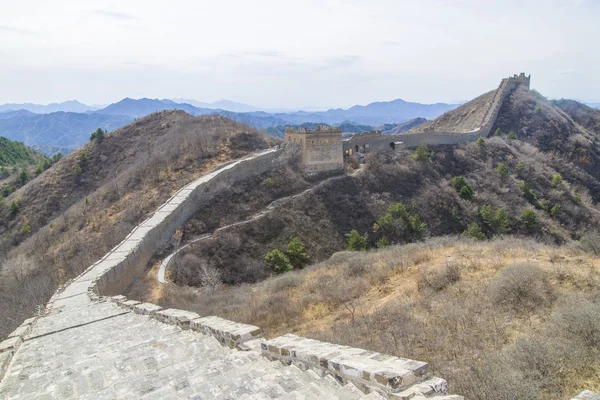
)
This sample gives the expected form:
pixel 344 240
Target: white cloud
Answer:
pixel 290 53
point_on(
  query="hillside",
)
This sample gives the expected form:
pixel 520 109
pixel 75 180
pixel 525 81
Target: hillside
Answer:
pixel 465 118
pixel 524 190
pixel 58 130
pixel 74 212
pixel 16 153
pixel 395 129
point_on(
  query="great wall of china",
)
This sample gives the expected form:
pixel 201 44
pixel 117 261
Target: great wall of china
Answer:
pixel 90 342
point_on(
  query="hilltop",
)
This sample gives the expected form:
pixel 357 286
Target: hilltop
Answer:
pixel 74 212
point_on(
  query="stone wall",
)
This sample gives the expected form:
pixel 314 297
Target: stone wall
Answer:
pixel 507 85
pixel 130 257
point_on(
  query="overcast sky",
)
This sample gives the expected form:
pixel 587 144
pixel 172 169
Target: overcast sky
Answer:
pixel 284 53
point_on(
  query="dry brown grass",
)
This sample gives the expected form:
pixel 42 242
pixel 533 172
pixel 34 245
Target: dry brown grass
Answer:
pixel 75 220
pixel 447 302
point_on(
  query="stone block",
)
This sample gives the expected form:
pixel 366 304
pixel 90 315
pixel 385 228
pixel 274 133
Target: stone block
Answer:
pixel 10 344
pixel 118 299
pixel 173 316
pixel 587 395
pixel 392 374
pixel 227 332
pixel 130 304
pixel 146 308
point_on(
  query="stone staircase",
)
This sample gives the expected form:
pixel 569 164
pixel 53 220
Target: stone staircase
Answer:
pixel 88 346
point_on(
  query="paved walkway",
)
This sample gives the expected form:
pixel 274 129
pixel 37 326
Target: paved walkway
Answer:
pixel 96 350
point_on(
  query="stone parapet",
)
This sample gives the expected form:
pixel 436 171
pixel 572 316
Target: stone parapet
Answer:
pixel 227 332
pixel 366 369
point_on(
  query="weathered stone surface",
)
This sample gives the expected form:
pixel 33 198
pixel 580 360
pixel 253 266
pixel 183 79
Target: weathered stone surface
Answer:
pixel 229 333
pixel 357 365
pixel 173 316
pixel 130 304
pixel 21 331
pixel 146 308
pixel 10 344
pixel 118 299
pixel 5 358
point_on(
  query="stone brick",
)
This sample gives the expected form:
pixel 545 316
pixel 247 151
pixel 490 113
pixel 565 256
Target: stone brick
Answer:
pixel 146 308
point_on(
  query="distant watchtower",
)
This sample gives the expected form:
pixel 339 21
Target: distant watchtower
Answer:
pixel 523 80
pixel 321 148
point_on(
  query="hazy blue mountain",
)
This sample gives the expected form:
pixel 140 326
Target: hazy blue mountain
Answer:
pixel 595 105
pixel 69 130
pixel 142 107
pixel 48 132
pixel 226 105
pixel 15 113
pixel 395 129
pixel 347 127
pixel 67 106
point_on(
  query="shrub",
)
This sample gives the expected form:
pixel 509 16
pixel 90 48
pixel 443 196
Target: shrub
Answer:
pixel 421 154
pixel 278 261
pixel 39 170
pixel 284 282
pixel 579 318
pixel 77 170
pixel 462 187
pixel 439 279
pixel 25 228
pixel 383 242
pixel 511 135
pixel 98 135
pixel 356 242
pixel 528 193
pixel 83 156
pixel 503 171
pixel 24 176
pixel 14 206
pixel 474 232
pixel 529 219
pixel 501 221
pixel 398 221
pixel 557 179
pixel 544 205
pixel 521 287
pixel 498 132
pixel 577 199
pixel 268 182
pixel 555 210
pixel 296 253
pixel 487 215
pixel 520 166
pixel 481 142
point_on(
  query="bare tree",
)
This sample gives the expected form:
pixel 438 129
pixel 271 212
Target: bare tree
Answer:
pixel 210 276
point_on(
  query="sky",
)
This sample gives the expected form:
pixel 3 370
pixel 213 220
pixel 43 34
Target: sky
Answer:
pixel 295 54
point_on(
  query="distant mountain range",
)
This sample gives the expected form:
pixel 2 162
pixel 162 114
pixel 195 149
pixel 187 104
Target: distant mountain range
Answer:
pixel 67 106
pixel 595 105
pixel 50 128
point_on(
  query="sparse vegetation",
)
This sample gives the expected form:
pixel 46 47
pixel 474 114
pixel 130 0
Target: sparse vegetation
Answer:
pixel 489 317
pixel 356 242
pixel 421 154
pixel 462 187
